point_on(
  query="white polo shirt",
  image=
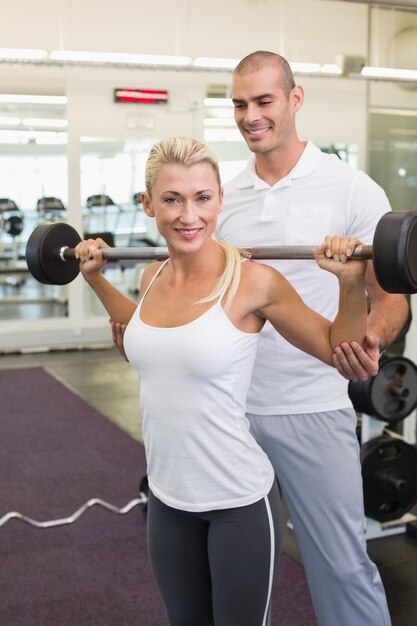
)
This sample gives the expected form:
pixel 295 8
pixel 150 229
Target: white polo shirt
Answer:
pixel 321 195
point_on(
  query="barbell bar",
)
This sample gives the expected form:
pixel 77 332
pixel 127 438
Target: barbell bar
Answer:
pixel 50 253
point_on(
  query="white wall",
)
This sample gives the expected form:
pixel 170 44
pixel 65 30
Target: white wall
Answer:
pixel 192 27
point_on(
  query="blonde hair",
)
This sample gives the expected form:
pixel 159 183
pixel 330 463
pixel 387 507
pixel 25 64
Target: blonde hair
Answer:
pixel 229 280
pixel 188 152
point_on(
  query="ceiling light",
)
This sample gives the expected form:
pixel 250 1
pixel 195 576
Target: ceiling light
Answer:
pixel 44 122
pixel 331 68
pixel 215 63
pixel 405 112
pixel 306 68
pixel 30 136
pixel 31 99
pixel 222 134
pixel 22 53
pixel 51 138
pixel 9 121
pixel 220 112
pixel 11 136
pixel 219 122
pixel 389 72
pixel 218 102
pixel 119 57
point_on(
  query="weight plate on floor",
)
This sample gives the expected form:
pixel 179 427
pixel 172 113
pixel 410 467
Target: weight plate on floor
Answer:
pixel 391 395
pixel 389 472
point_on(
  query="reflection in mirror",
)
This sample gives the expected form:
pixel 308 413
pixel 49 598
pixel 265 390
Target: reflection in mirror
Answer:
pixel 347 152
pixel 33 189
pixel 232 156
pixel 393 155
pixel 112 179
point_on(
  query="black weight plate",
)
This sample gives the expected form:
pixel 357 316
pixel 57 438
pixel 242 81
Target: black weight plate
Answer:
pixel 360 396
pixel 394 252
pixel 13 225
pixel 43 253
pixel 389 472
pixel 391 395
pixel 394 389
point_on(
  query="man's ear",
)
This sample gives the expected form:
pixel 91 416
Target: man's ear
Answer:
pixel 297 97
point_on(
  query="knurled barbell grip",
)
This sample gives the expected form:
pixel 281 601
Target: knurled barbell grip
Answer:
pixel 297 252
pixel 116 254
pixel 256 252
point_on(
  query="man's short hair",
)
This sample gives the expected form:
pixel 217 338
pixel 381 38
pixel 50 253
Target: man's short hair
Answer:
pixel 257 60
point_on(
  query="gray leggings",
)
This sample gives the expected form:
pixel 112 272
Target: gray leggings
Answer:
pixel 216 567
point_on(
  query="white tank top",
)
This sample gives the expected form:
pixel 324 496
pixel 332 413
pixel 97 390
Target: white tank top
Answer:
pixel 193 384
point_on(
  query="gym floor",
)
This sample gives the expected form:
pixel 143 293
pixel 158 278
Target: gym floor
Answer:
pixel 109 384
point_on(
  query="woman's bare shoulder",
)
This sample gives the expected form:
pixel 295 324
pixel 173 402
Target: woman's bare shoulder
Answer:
pixel 148 273
pixel 261 280
pixel 255 271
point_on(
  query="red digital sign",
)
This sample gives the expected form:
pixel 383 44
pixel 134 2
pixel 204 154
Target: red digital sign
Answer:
pixel 141 96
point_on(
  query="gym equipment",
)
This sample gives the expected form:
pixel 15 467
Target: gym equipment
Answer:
pixel 9 206
pixel 100 207
pixel 50 207
pixel 105 235
pixel 389 396
pixel 12 217
pixel 44 253
pixel 143 231
pixel 389 471
pixel 12 268
pixel 99 200
pixel 50 253
pixel 137 198
pixel 142 500
pixel 13 225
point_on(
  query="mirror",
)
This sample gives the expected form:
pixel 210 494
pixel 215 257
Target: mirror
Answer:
pixel 34 189
pixel 112 179
pixel 393 156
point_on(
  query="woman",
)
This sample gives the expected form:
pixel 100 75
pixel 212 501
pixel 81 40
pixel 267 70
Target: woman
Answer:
pixel 214 520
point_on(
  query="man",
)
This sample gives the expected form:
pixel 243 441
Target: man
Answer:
pixel 292 193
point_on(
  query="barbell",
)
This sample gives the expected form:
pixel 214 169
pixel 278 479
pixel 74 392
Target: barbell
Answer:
pixel 50 253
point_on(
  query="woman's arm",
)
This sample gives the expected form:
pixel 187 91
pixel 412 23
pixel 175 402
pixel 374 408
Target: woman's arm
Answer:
pixel 389 317
pixel 303 327
pixel 117 305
